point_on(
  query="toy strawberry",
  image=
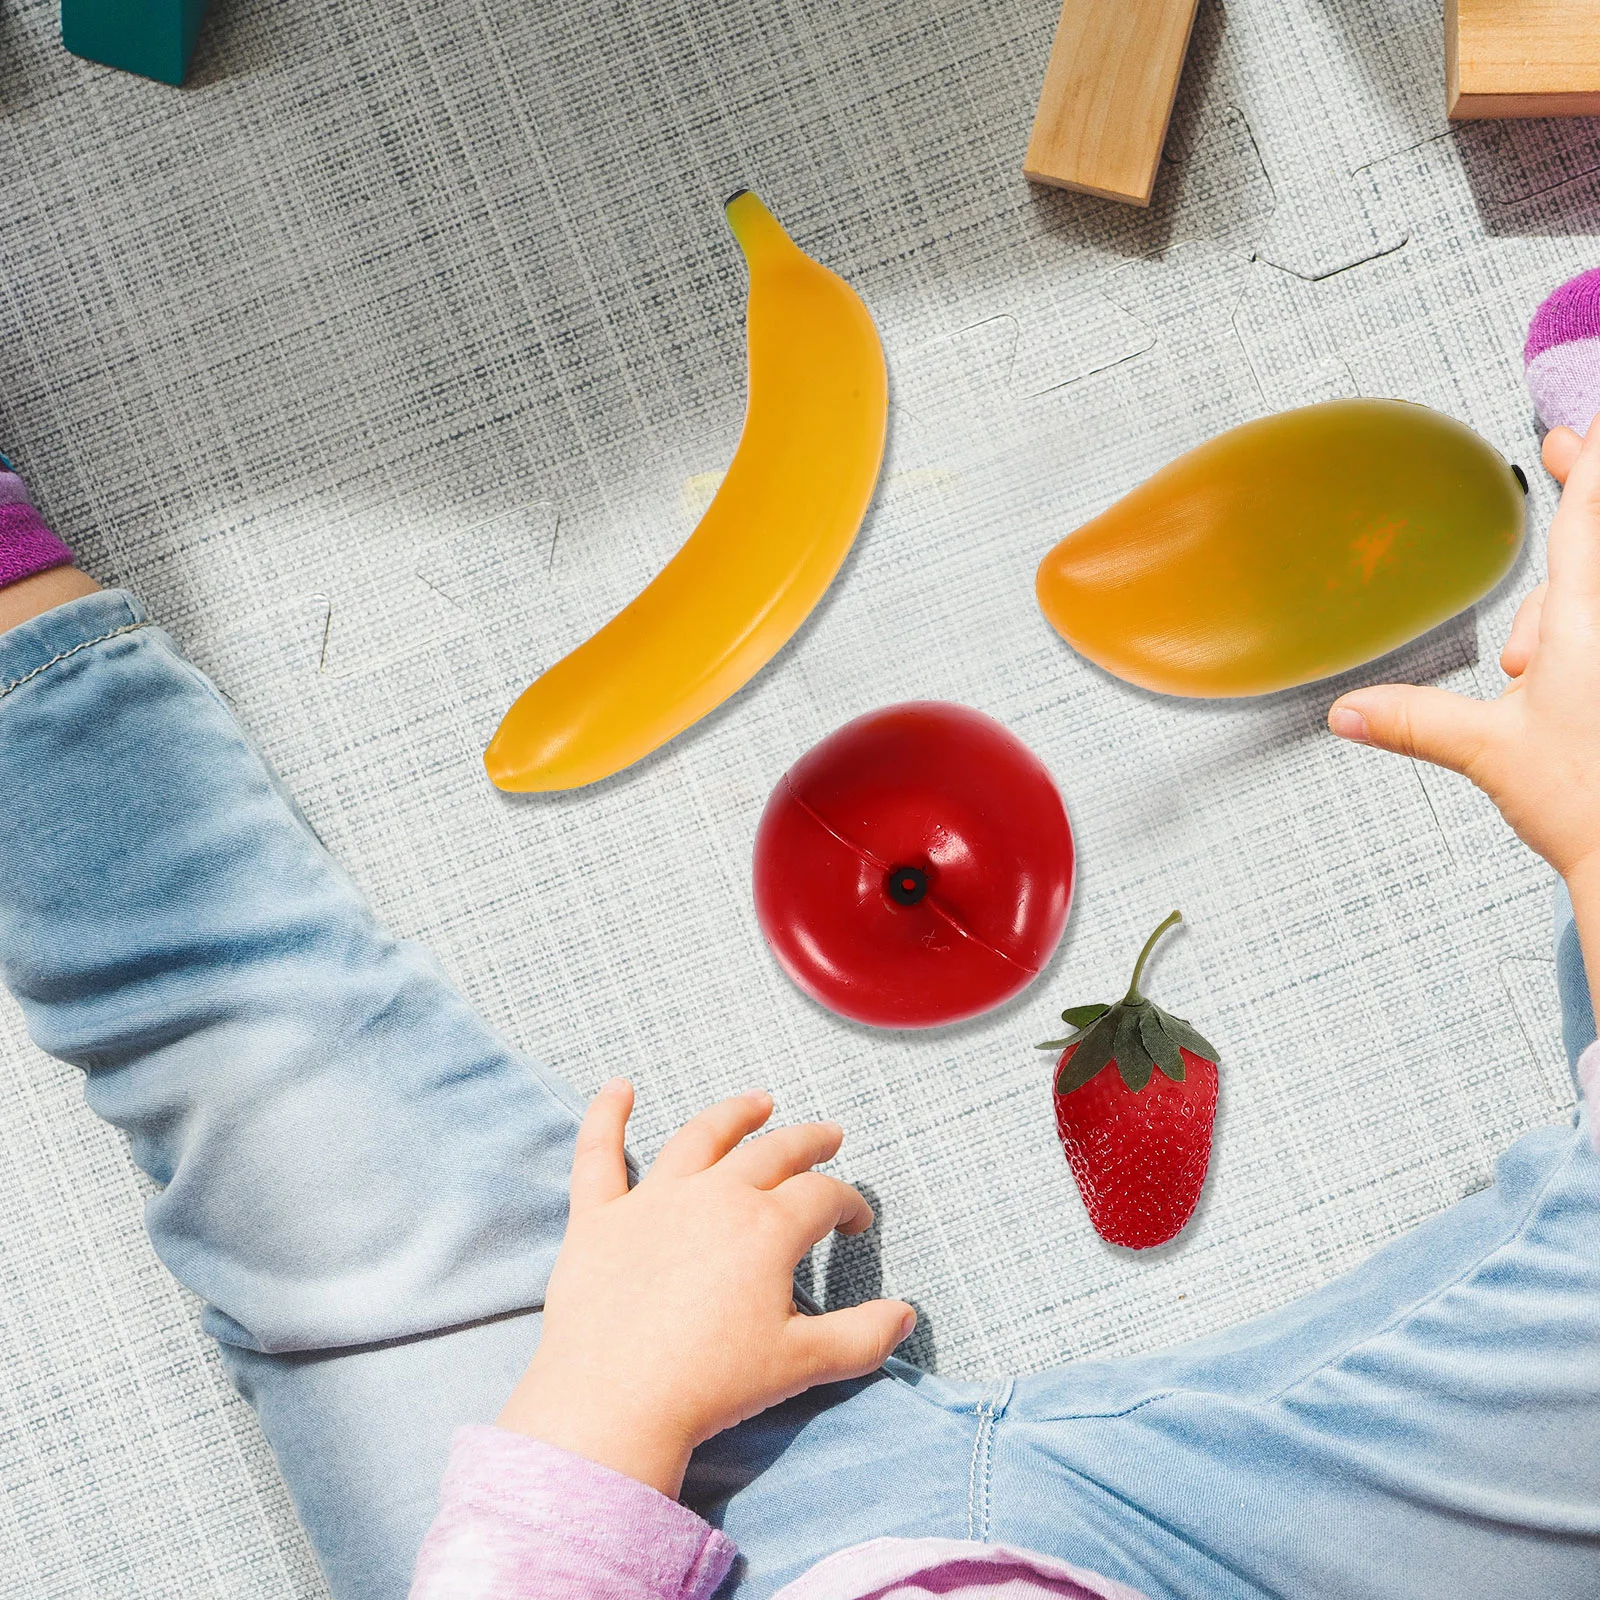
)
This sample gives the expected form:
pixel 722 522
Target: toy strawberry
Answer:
pixel 1136 1098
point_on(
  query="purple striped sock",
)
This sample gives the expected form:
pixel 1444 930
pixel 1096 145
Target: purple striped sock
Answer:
pixel 1562 355
pixel 27 546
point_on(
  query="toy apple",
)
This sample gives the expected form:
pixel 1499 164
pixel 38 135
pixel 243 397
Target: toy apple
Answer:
pixel 915 868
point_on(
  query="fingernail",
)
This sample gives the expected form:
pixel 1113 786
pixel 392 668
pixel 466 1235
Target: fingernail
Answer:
pixel 611 1086
pixel 1348 723
pixel 757 1094
pixel 908 1324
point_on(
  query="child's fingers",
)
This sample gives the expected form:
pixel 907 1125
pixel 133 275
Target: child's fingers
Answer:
pixel 1561 447
pixel 819 1205
pixel 1573 553
pixel 1432 724
pixel 767 1161
pixel 851 1343
pixel 599 1169
pixel 1524 637
pixel 705 1139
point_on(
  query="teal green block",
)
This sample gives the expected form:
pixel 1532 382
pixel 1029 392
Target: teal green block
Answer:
pixel 154 38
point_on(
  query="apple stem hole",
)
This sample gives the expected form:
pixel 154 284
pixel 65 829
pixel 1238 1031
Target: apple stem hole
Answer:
pixel 905 885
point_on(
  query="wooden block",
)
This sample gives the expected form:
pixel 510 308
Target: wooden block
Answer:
pixel 1522 58
pixel 153 38
pixel 1107 96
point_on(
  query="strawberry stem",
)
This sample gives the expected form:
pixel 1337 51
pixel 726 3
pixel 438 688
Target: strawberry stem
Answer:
pixel 1133 996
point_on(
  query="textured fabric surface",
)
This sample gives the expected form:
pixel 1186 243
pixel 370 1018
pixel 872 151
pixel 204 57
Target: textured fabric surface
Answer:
pixel 394 353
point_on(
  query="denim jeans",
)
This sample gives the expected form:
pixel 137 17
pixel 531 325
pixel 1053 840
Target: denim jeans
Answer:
pixel 366 1187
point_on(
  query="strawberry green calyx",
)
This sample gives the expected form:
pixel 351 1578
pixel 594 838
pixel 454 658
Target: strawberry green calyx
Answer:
pixel 1135 1034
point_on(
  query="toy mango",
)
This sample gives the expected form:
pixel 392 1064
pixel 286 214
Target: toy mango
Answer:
pixel 1288 549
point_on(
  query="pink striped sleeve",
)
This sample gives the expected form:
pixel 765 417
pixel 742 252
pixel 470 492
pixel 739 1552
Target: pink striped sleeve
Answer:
pixel 520 1520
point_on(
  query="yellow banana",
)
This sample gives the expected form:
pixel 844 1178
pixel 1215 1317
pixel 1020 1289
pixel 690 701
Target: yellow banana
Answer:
pixel 759 559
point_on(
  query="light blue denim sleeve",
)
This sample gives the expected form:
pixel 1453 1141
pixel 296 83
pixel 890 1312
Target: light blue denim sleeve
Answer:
pixel 350 1161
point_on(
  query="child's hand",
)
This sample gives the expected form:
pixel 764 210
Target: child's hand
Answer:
pixel 670 1313
pixel 1536 750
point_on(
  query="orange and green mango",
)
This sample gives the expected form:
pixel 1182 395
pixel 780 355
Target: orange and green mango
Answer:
pixel 1288 549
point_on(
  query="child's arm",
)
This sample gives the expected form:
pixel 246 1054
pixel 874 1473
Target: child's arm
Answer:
pixel 1536 750
pixel 669 1316
pixel 670 1312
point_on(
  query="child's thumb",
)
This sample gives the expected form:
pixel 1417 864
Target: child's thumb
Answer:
pixel 1447 729
pixel 856 1341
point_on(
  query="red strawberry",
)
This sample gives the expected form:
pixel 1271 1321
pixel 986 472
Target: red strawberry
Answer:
pixel 1138 1140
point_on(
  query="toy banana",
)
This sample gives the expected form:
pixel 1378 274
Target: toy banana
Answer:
pixel 1288 549
pixel 760 558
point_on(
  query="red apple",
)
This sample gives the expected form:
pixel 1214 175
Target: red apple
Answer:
pixel 915 868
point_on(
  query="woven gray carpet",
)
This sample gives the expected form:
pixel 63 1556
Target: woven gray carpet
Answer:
pixel 392 355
